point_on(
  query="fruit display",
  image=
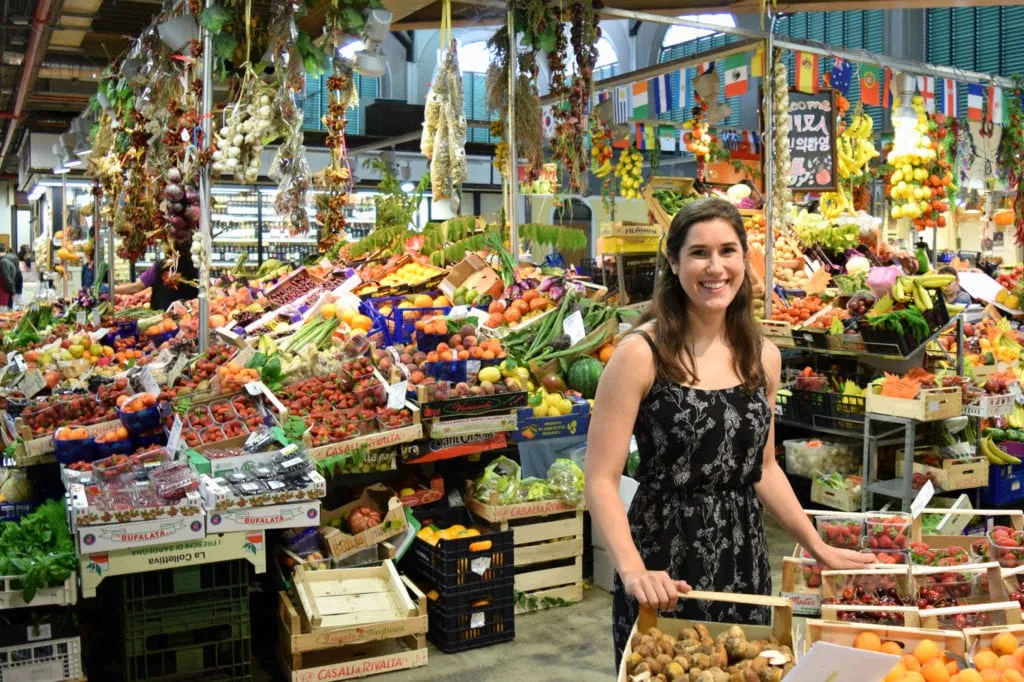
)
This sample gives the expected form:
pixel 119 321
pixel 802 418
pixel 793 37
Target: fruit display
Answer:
pixel 410 274
pixel 671 201
pixel 923 555
pixel 694 655
pixel 876 591
pixel 46 415
pixel 1007 546
pixel 291 289
pixel 887 532
pixel 796 310
pixel 842 532
pixel 629 171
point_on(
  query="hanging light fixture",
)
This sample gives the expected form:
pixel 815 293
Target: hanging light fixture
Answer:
pixel 369 61
pixel 67 142
pixel 80 127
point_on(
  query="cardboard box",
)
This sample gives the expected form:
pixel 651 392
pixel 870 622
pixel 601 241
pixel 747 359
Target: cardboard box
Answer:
pixel 341 544
pixel 475 274
pixel 117 536
pixel 470 405
pixel 43 445
pixel 217 497
pixel 604 570
pixel 372 441
pixel 295 515
pixel 436 449
pixel 86 515
pixel 212 549
pixel 576 423
pixel 424 492
pixel 472 426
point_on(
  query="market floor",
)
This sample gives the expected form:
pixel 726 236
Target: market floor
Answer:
pixel 571 643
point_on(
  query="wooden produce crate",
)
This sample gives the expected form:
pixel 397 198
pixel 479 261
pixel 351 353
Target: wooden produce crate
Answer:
pixel 616 245
pixel 654 207
pixel 998 614
pixel 898 576
pixel 548 554
pixel 954 474
pixel 845 634
pixel 832 613
pixel 630 230
pixel 801 584
pixel 930 405
pixel 1015 516
pixel 344 598
pixel 986 582
pixel 781 628
pixel 779 332
pixel 976 639
pixel 308 654
pixel 842 499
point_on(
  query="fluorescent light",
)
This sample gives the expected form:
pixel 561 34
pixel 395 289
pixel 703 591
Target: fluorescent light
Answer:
pixel 408 187
pixel 73 162
pixel 61 170
pixel 61 183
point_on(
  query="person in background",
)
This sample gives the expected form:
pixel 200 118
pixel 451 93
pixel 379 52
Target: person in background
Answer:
pixel 10 278
pixel 163 294
pixel 953 293
pixel 25 258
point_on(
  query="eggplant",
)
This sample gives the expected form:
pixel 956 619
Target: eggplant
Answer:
pixel 547 283
pixel 556 293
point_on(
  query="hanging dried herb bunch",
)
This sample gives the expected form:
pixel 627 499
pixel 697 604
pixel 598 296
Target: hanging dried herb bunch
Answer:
pixel 528 126
pixel 336 178
pixel 1011 151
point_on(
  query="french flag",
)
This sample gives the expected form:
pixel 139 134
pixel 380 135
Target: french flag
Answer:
pixel 975 97
pixel 949 97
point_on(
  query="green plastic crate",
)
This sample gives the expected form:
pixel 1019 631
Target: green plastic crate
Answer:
pixel 189 612
pixel 212 651
pixel 141 593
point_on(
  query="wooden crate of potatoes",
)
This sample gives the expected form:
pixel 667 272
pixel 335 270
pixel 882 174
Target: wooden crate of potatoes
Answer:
pixel 350 623
pixel 548 549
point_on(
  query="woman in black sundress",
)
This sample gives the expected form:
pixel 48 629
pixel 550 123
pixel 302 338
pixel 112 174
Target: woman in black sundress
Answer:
pixel 695 383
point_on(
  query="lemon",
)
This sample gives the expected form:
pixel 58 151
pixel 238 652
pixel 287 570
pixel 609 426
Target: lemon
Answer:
pixel 540 410
pixel 564 406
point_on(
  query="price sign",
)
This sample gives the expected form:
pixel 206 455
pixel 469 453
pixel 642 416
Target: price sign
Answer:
pixel 148 382
pixel 81 318
pixel 174 437
pixel 258 388
pixel 572 326
pixel 396 395
pixel 812 141
pixel 19 365
pixel 1016 392
pixel 922 499
pixel 31 383
pixel 176 369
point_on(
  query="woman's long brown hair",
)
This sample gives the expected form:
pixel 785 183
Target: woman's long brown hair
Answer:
pixel 673 349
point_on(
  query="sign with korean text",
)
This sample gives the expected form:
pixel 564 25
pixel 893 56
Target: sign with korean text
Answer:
pixel 812 141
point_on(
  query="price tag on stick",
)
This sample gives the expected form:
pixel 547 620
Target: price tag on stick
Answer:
pixel 396 395
pixel 573 327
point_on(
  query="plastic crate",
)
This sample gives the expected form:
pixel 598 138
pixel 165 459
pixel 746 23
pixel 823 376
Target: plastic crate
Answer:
pixel 202 661
pixel 451 566
pixel 499 592
pixel 201 629
pixel 159 596
pixel 15 511
pixel 806 405
pixel 471 628
pixel 1005 485
pixel 29 626
pixel 54 659
pixel 193 610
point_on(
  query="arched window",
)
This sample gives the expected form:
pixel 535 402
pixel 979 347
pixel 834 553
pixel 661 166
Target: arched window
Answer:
pixel 607 60
pixel 474 58
pixel 318 97
pixel 684 41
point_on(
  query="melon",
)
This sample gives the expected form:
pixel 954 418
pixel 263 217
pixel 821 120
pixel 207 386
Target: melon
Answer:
pixel 584 375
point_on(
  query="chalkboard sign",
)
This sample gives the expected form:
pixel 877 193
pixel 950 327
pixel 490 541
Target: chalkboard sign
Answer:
pixel 812 137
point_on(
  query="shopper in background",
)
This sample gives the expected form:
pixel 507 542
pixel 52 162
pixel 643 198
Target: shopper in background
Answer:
pixel 25 258
pixel 695 384
pixel 10 278
pixel 953 293
pixel 165 293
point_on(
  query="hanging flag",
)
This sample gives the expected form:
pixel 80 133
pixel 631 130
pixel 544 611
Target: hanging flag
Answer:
pixel 887 85
pixel 841 75
pixel 681 95
pixel 667 138
pixel 705 67
pixel 995 104
pixel 926 86
pixel 807 72
pixel 949 97
pixel 640 99
pixel 757 64
pixel 736 68
pixel 661 91
pixel 547 121
pixel 974 100
pixel 623 104
pixel 650 137
pixel 869 77
pixel 639 136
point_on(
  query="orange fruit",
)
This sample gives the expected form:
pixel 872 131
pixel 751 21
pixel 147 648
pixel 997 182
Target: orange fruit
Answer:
pixel 911 663
pixel 1012 676
pixel 868 641
pixel 896 674
pixel 926 650
pixel 361 322
pixel 604 354
pixel 935 671
pixel 953 667
pixel 970 675
pixel 985 659
pixel 1008 662
pixel 991 675
pixel 891 648
pixel 1004 643
pixel 423 301
pixel 913 676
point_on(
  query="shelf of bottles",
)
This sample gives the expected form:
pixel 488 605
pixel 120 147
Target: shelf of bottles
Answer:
pixel 240 214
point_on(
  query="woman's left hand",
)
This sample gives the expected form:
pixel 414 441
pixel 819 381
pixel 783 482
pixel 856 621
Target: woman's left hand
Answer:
pixel 838 559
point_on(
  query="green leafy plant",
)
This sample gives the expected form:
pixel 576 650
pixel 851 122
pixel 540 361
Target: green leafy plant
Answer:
pixel 38 549
pixel 530 603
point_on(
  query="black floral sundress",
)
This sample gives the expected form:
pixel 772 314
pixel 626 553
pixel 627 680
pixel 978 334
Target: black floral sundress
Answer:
pixel 695 513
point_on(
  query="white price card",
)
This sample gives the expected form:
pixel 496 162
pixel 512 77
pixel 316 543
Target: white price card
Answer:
pixel 459 312
pixel 258 388
pixel 176 369
pixel 396 395
pixel 827 662
pixel 477 619
pixel 81 318
pixel 572 326
pixel 19 363
pixel 1016 392
pixel 31 383
pixel 480 565
pixel 148 382
pixel 174 437
pixel 923 498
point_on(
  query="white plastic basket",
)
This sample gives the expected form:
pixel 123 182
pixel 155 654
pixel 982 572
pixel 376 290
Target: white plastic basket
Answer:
pixel 64 594
pixel 54 659
pixel 990 406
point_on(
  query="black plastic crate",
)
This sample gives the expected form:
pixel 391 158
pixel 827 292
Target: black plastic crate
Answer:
pixel 810 404
pixel 192 586
pixel 472 628
pixel 810 338
pixel 500 592
pixel 848 407
pixel 938 316
pixel 887 342
pixel 189 611
pixel 21 626
pixel 208 649
pixel 450 564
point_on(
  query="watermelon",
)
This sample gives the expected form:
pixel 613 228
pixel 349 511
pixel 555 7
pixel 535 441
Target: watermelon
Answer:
pixel 584 375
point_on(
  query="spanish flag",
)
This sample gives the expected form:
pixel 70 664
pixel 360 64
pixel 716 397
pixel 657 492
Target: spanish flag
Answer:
pixel 757 64
pixel 807 72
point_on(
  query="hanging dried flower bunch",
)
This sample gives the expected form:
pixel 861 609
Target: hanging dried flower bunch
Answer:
pixel 444 128
pixel 336 178
pixel 1011 151
pixel 782 196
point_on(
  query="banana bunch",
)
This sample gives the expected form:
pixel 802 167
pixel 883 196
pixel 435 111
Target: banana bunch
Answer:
pixel 854 148
pixel 629 171
pixel 603 169
pixel 995 455
pixel 914 289
pixel 832 205
pixel 1016 419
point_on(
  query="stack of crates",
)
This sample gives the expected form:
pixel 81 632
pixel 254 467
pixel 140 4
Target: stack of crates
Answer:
pixel 189 623
pixel 470 592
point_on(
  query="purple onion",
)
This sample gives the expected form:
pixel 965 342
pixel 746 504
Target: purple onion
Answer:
pixel 547 283
pixel 192 214
pixel 174 192
pixel 191 196
pixel 177 223
pixel 173 176
pixel 176 207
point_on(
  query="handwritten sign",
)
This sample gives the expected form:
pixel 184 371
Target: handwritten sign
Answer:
pixel 572 326
pixel 396 395
pixel 174 438
pixel 812 137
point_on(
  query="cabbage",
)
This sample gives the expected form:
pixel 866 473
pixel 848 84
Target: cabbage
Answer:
pixel 500 476
pixel 881 280
pixel 858 265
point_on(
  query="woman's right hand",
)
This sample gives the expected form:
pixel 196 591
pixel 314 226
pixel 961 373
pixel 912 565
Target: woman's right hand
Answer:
pixel 655 588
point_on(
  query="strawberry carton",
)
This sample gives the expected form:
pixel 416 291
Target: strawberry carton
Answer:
pixel 923 555
pixel 1007 546
pixel 841 531
pixel 887 531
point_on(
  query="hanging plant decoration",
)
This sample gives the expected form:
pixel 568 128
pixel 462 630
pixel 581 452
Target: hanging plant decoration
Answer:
pixel 601 158
pixel 443 141
pixel 336 178
pixel 1011 151
pixel 782 195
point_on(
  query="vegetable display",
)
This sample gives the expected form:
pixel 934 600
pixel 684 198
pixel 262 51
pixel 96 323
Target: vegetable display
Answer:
pixel 38 549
